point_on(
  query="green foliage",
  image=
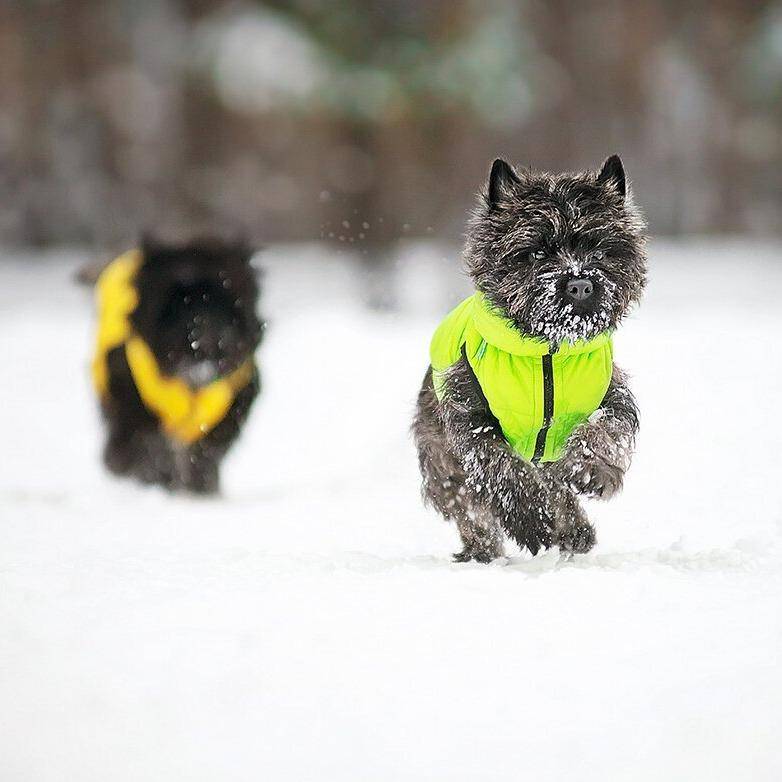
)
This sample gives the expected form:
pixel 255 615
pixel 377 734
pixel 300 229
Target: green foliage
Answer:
pixel 389 59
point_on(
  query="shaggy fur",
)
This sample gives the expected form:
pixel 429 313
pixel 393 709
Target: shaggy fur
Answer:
pixel 530 236
pixel 197 312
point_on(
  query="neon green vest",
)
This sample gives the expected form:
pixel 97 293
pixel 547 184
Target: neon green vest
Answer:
pixel 538 397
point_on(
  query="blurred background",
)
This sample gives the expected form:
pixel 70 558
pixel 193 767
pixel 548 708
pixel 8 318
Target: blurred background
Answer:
pixel 365 121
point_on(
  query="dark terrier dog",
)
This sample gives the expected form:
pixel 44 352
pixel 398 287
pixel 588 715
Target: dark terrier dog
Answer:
pixel 174 366
pixel 522 409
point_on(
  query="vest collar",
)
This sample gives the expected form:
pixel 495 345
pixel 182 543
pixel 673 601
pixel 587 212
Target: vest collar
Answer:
pixel 187 414
pixel 500 332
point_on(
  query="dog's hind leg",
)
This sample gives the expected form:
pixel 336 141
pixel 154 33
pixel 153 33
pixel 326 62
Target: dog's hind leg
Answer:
pixel 444 485
pixel 481 535
pixel 118 453
pixel 444 488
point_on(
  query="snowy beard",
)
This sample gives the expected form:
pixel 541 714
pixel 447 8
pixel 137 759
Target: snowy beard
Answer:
pixel 540 308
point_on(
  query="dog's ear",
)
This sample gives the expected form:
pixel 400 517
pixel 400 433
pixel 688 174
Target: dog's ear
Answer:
pixel 237 251
pixel 613 174
pixel 501 181
pixel 245 249
pixel 151 246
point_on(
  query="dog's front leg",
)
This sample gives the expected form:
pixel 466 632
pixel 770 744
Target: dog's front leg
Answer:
pixel 599 451
pixel 502 489
pixel 197 469
pixel 198 465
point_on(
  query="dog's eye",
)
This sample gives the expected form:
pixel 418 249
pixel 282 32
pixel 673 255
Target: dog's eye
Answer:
pixel 598 255
pixel 538 255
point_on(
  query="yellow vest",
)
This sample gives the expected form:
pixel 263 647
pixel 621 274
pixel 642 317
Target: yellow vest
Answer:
pixel 186 414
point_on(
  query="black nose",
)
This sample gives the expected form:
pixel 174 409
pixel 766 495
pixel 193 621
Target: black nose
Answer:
pixel 579 290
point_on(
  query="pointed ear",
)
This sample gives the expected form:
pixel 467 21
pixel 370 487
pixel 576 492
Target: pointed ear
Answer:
pixel 245 249
pixel 613 173
pixel 241 252
pixel 150 244
pixel 235 245
pixel 501 179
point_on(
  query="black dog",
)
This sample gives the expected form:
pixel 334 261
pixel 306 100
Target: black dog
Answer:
pixel 174 368
pixel 557 260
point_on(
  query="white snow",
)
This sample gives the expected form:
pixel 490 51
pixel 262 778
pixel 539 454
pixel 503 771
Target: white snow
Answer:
pixel 309 625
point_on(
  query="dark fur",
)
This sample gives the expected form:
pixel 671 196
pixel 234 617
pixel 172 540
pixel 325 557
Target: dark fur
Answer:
pixel 528 236
pixel 197 312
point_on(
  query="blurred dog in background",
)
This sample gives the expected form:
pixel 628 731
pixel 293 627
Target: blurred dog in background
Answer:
pixel 174 366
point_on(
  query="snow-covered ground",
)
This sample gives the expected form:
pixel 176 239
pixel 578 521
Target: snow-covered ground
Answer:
pixel 309 625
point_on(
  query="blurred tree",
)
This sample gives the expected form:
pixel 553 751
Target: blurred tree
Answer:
pixel 403 76
pixel 372 121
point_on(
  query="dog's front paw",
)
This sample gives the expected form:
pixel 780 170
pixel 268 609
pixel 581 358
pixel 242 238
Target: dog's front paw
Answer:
pixel 470 554
pixel 577 537
pixel 594 478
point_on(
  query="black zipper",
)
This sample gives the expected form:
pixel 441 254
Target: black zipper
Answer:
pixel 548 406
